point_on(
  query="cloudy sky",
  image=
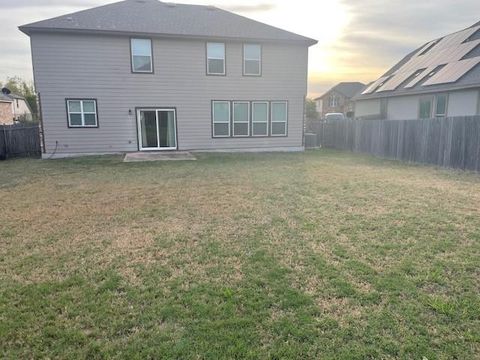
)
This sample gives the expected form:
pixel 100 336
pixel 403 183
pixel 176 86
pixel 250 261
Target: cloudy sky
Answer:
pixel 358 40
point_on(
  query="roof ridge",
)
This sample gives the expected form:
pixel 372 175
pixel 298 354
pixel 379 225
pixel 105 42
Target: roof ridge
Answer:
pixel 335 88
pixel 163 19
pixel 264 24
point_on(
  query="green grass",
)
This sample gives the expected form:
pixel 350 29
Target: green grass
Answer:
pixel 279 256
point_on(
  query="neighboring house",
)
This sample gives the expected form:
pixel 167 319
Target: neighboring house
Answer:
pixel 441 78
pixel 13 108
pixel 146 75
pixel 6 110
pixel 339 99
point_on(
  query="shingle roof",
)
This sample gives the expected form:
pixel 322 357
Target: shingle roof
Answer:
pixel 10 97
pixel 443 64
pixel 4 98
pixel 348 89
pixel 165 19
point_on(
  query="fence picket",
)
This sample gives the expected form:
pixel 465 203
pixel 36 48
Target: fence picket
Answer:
pixel 19 141
pixel 448 142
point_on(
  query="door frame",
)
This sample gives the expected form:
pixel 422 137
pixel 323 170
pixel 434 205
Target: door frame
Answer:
pixel 139 127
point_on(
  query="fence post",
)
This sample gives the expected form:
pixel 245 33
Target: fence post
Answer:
pixel 5 142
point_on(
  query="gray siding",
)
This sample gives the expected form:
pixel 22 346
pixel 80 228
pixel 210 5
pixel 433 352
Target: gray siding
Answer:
pixel 367 108
pixel 403 108
pixel 463 103
pixel 460 103
pixel 93 66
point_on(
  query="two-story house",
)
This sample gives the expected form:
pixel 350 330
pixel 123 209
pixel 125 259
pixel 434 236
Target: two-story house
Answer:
pixel 339 99
pixel 142 75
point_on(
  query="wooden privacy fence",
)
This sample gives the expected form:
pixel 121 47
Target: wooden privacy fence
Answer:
pixel 448 142
pixel 19 141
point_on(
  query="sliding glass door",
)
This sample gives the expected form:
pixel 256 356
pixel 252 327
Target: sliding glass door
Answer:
pixel 157 129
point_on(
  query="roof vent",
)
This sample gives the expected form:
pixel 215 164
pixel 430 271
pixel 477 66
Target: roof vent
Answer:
pixel 171 5
pixel 211 8
pixel 69 18
pixel 6 91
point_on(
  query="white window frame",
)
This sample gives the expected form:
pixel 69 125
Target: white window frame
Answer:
pixel 446 106
pixel 274 121
pixel 221 122
pixel 241 122
pixel 217 58
pixel 132 55
pixel 139 129
pixel 245 60
pixel 260 122
pixel 82 113
pixel 333 101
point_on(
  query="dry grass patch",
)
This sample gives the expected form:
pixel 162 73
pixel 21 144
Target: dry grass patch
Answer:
pixel 315 255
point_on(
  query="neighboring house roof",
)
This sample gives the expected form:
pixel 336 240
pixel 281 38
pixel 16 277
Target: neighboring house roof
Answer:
pixel 15 96
pixel 347 89
pixel 152 17
pixel 11 97
pixel 5 98
pixel 448 63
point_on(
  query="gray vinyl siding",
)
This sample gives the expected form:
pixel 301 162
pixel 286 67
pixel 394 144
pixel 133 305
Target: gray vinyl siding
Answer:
pixel 403 108
pixel 460 103
pixel 94 66
pixel 367 108
pixel 463 103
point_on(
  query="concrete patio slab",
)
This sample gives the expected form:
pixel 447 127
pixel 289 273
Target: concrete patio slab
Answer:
pixel 158 156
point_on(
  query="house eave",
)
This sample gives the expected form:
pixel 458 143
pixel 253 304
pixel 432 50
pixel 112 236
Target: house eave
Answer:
pixel 416 92
pixel 28 30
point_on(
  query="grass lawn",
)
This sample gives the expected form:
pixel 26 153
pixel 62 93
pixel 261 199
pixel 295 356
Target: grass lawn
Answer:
pixel 279 256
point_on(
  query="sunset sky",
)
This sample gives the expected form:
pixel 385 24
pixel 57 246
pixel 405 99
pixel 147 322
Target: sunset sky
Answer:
pixel 358 40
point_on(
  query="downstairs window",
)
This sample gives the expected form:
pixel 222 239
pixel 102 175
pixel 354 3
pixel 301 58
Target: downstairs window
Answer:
pixel 82 113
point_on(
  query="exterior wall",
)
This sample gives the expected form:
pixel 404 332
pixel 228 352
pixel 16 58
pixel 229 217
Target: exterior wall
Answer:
pixel 6 114
pixel 460 103
pixel 21 109
pixel 403 108
pixel 463 103
pixel 319 106
pixel 94 66
pixel 367 108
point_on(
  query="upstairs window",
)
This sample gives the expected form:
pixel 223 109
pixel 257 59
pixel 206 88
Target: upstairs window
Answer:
pixel 82 113
pixel 215 58
pixel 142 56
pixel 333 101
pixel 252 59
